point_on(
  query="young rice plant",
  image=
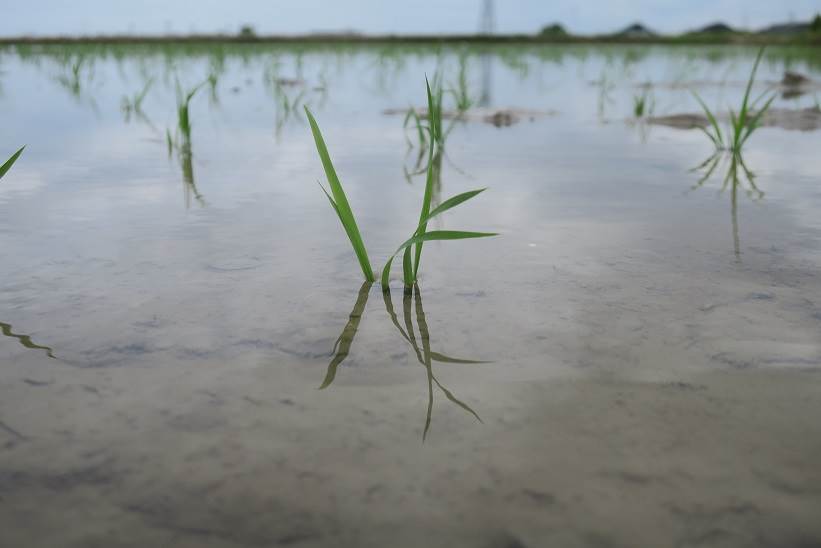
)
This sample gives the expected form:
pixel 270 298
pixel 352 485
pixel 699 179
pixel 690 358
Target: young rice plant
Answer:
pixel 411 248
pixel 743 123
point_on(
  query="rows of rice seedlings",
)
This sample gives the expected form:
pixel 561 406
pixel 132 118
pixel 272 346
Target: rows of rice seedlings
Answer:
pixel 412 247
pixel 411 305
pixel 743 123
pixel 10 162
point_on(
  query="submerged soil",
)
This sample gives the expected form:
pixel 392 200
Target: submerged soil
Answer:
pixel 806 119
pixel 705 460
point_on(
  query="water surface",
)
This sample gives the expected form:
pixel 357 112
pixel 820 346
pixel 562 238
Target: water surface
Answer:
pixel 633 361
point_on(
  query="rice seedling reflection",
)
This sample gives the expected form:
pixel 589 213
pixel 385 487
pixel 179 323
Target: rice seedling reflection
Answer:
pixel 25 340
pixel 738 177
pixel 343 343
pixel 421 346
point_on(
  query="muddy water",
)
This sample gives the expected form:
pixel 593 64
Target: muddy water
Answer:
pixel 634 362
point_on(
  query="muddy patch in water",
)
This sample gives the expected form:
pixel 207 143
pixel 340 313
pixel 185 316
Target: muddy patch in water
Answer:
pixel 805 119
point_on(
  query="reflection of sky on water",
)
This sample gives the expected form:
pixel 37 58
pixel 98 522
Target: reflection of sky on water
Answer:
pixel 96 212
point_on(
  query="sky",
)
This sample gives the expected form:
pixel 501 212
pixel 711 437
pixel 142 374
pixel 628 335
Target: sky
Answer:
pixel 84 17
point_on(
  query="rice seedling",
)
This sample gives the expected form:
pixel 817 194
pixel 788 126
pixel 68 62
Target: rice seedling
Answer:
pixel 410 265
pixel 606 86
pixel 10 162
pixel 412 247
pixel 433 115
pixel 742 124
pixel 644 104
pixel 460 90
pixel 413 120
pixel 180 141
pixel 134 104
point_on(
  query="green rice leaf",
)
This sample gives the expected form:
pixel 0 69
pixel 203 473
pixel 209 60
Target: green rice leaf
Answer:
pixel 341 201
pixel 10 162
pixel 755 122
pixel 450 203
pixel 717 138
pixel 426 237
pixel 434 115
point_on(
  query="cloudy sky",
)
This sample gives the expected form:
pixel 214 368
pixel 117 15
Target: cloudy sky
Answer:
pixel 379 16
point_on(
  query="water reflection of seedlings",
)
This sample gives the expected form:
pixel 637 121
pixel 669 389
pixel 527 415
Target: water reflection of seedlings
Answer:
pixel 735 178
pixel 411 303
pixel 426 356
pixel 10 162
pixel 25 340
pixel 342 346
pixel 180 142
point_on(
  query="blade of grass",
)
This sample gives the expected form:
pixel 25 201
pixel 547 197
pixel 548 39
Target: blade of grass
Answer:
pixel 10 162
pixel 341 201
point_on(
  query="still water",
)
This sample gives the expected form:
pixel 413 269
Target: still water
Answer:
pixel 634 361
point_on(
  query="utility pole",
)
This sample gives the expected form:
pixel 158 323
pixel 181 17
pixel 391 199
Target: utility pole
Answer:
pixel 487 24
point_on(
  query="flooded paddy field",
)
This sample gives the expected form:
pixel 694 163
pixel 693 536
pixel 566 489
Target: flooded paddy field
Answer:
pixel 634 361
